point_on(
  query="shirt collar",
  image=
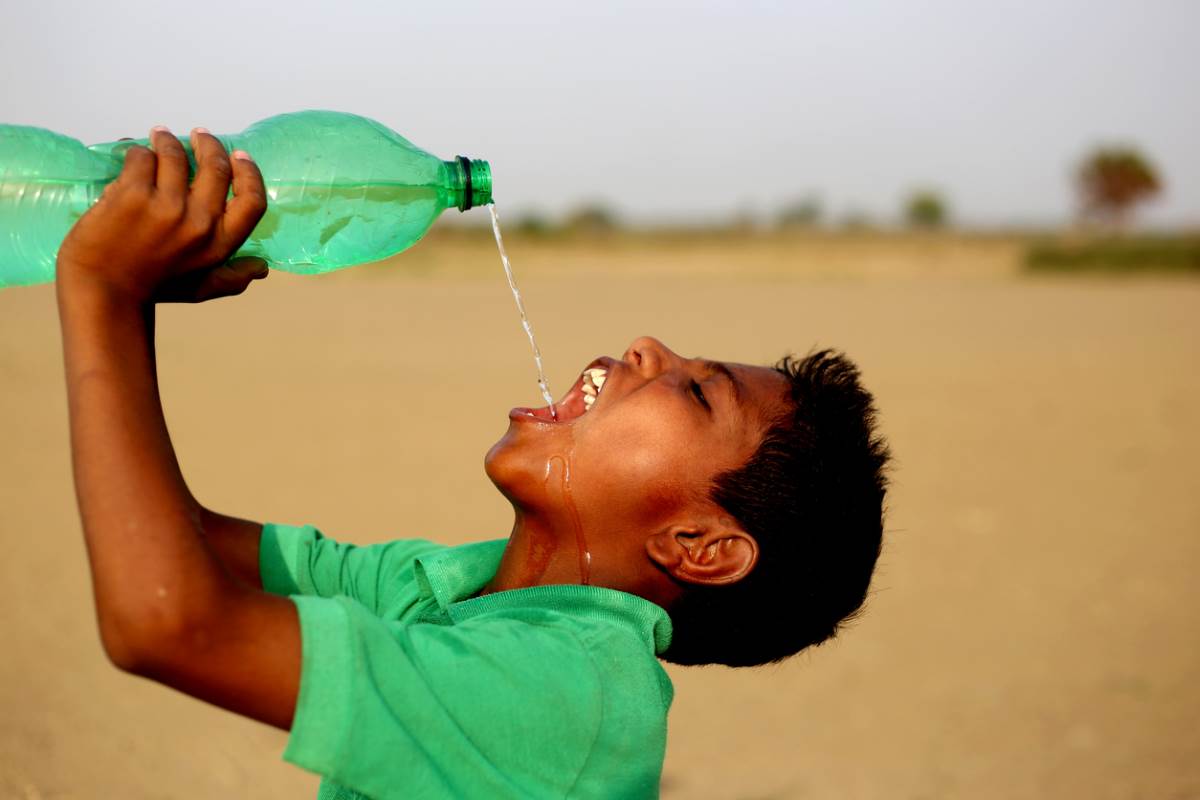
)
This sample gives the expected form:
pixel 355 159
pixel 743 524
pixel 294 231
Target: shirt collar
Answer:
pixel 453 576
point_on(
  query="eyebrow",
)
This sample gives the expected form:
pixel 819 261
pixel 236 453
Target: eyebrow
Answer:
pixel 735 386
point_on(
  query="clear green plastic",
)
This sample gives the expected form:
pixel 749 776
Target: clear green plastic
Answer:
pixel 341 190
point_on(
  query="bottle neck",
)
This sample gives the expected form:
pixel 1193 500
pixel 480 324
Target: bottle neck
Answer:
pixel 471 182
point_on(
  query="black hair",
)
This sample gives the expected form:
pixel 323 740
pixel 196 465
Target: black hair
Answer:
pixel 812 496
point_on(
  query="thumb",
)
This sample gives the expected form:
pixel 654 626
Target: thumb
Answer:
pixel 251 267
pixel 225 280
pixel 230 278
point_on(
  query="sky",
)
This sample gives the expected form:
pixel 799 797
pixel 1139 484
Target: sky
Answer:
pixel 664 112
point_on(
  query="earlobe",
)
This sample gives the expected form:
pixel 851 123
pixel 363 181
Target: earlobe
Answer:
pixel 715 555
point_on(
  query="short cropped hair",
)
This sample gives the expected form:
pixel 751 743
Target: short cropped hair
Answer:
pixel 812 496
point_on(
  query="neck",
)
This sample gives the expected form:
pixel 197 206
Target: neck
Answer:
pixel 541 551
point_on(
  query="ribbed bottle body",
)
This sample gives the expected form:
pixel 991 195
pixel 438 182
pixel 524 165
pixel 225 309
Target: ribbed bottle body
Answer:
pixel 47 182
pixel 341 190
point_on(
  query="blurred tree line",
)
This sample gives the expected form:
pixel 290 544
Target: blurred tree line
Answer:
pixel 1110 181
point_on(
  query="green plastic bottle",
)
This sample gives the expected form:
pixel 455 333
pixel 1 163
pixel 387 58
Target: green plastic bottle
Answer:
pixel 341 190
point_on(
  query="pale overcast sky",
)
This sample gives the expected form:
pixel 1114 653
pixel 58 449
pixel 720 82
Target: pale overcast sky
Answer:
pixel 663 111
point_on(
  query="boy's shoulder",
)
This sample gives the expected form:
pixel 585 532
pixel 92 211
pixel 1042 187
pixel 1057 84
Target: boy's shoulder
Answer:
pixel 410 581
pixel 402 639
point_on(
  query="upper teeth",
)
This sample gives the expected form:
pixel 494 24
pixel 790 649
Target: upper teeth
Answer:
pixel 593 382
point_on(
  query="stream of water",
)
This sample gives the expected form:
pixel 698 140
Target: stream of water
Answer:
pixel 516 293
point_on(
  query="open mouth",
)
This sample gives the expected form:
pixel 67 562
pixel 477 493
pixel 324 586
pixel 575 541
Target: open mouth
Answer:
pixel 578 401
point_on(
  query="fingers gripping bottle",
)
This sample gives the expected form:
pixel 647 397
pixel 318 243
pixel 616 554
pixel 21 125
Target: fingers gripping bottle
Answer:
pixel 341 190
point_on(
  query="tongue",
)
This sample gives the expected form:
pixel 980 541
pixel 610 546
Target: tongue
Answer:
pixel 567 412
pixel 568 409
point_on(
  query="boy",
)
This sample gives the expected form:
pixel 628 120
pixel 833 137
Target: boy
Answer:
pixel 695 511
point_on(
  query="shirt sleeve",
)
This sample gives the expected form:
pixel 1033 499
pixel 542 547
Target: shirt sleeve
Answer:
pixel 300 560
pixel 486 708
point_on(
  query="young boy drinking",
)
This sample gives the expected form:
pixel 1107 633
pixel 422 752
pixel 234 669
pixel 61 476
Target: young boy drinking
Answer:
pixel 677 508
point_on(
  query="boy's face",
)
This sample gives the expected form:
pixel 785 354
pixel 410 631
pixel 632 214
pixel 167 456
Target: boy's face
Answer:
pixel 642 458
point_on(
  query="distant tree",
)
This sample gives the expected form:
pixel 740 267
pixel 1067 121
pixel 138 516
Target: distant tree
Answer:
pixel 803 213
pixel 857 220
pixel 592 218
pixel 1112 180
pixel 925 208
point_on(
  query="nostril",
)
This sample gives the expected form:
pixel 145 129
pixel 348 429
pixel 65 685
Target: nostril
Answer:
pixel 647 353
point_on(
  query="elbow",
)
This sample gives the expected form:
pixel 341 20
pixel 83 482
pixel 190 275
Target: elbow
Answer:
pixel 127 646
pixel 148 642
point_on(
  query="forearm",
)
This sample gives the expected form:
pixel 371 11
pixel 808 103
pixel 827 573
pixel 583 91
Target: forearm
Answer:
pixel 234 541
pixel 150 564
pixel 167 608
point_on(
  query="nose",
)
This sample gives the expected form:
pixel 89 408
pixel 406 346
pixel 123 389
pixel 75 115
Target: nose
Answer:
pixel 650 356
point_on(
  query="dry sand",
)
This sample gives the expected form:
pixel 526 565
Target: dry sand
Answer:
pixel 1033 628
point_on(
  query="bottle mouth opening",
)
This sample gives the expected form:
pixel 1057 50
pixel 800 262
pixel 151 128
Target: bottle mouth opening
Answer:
pixel 476 183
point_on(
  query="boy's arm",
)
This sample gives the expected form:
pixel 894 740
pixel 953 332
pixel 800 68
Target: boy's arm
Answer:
pixel 235 542
pixel 167 608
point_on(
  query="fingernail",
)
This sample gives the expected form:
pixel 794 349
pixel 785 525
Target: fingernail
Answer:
pixel 242 154
pixel 199 130
pixel 160 129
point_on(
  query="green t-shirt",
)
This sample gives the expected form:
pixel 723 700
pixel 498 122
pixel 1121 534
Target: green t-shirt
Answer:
pixel 411 687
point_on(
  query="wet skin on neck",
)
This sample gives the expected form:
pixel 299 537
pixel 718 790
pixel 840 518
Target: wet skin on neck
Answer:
pixel 618 496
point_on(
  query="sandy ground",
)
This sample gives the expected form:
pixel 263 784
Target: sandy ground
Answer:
pixel 1033 628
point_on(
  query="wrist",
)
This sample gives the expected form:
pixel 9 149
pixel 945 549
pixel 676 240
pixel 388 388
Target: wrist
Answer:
pixel 77 286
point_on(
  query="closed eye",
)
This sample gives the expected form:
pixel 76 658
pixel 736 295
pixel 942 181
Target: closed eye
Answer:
pixel 698 391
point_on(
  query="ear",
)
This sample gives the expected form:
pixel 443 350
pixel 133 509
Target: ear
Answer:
pixel 715 553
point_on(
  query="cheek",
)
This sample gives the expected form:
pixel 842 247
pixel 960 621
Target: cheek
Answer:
pixel 645 470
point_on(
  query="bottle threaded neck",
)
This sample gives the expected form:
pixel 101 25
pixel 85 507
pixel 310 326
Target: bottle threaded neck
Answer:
pixel 473 181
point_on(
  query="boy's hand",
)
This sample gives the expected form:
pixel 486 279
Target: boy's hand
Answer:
pixel 150 237
pixel 209 284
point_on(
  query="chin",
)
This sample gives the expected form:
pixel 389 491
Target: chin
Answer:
pixel 515 472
